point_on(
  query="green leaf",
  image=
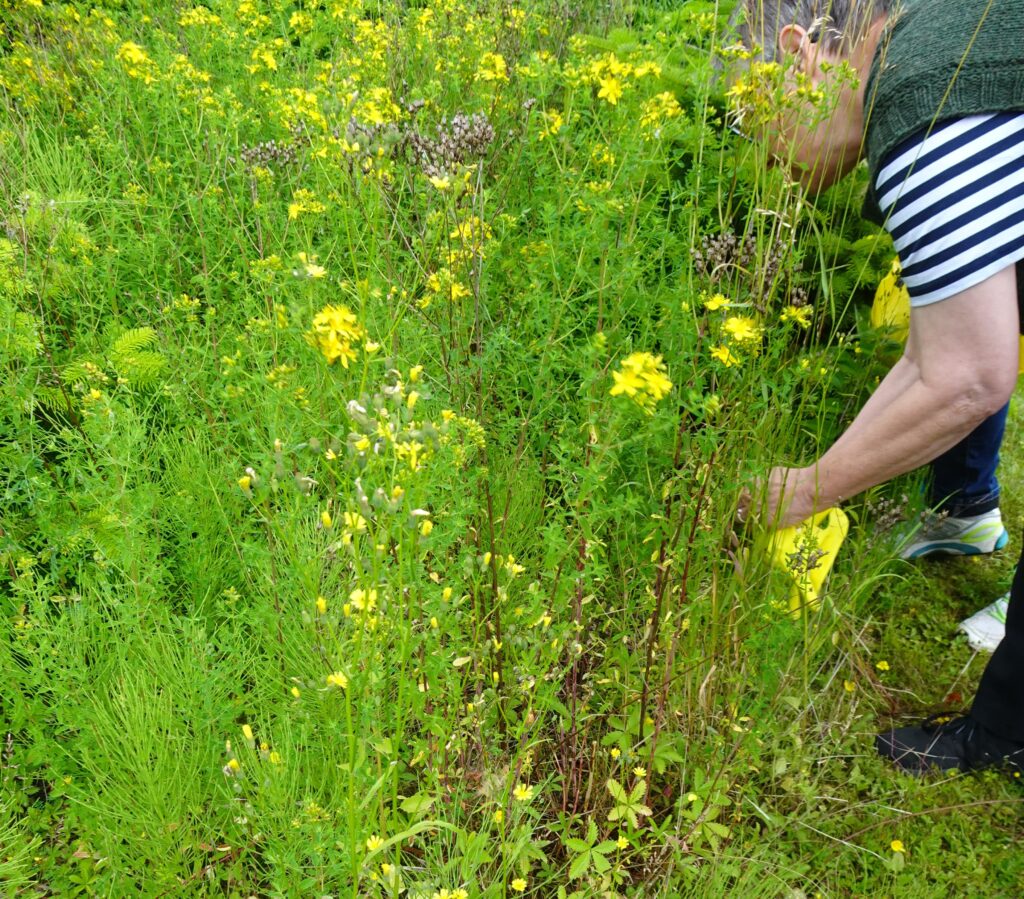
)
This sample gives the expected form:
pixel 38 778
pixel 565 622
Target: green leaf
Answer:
pixel 131 342
pixel 615 788
pixel 601 864
pixel 579 865
pixel 417 804
pixel 574 845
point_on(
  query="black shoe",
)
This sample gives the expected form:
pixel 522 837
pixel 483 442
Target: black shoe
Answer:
pixel 950 743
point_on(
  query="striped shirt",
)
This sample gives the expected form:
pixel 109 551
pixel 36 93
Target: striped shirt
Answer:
pixel 954 203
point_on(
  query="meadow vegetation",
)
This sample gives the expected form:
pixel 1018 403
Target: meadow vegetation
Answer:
pixel 379 378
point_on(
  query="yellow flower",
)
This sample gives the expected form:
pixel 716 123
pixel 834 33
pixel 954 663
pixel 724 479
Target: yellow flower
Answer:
pixel 363 600
pixel 492 68
pixel 897 846
pixel 799 314
pixel 337 679
pixel 616 752
pixel 373 843
pixel 849 686
pixel 325 518
pixel 882 665
pixel 274 758
pixel 499 816
pixel 355 522
pixel 245 482
pixel 247 732
pixel 523 793
pixel 519 885
pixel 717 301
pixel 335 330
pixel 640 772
pixel 642 378
pixel 321 605
pixel 622 842
pixel 742 328
pixel 296 692
pixel 426 527
pixel 724 355
pixel 611 90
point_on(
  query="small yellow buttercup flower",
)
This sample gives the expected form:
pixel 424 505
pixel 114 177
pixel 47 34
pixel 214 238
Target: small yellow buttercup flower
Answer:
pixel 373 843
pixel 883 665
pixel 724 355
pixel 897 846
pixel 337 679
pixel 523 792
pixel 519 885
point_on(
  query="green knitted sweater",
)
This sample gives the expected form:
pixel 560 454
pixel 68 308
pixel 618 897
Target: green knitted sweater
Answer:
pixel 940 60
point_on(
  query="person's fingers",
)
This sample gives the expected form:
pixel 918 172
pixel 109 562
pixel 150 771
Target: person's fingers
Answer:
pixel 743 506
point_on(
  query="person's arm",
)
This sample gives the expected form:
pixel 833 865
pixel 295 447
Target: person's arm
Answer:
pixel 961 367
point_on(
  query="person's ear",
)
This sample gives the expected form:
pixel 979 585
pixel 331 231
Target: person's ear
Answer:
pixel 793 41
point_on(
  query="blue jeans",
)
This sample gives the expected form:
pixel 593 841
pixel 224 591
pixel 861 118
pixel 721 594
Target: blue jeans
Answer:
pixel 963 481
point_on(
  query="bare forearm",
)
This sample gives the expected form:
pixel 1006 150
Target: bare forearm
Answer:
pixel 902 430
pixel 899 379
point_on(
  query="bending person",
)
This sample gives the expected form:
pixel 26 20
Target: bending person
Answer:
pixel 938 110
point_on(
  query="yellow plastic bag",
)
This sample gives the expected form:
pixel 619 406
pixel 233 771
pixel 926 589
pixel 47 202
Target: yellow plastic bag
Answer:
pixel 806 552
pixel 891 308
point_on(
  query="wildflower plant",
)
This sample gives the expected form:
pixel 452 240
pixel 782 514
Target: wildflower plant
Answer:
pixel 379 380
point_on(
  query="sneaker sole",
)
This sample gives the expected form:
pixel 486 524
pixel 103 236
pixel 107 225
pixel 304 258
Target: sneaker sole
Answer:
pixel 954 548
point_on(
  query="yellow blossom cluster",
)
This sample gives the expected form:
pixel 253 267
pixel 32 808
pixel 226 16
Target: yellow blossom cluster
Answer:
pixel 199 17
pixel 304 201
pixel 800 315
pixel 335 332
pixel 377 107
pixel 657 110
pixel 643 379
pixel 137 63
pixel 492 67
pixel 444 284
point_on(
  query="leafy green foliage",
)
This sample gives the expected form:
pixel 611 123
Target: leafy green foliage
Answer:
pixel 378 381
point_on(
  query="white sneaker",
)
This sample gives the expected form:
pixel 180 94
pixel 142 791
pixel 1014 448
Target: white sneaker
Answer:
pixel 946 535
pixel 986 628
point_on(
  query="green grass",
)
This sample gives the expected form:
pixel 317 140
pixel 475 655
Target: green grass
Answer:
pixel 453 616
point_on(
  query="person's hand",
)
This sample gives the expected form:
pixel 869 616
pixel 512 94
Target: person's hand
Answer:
pixel 784 499
pixel 788 497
